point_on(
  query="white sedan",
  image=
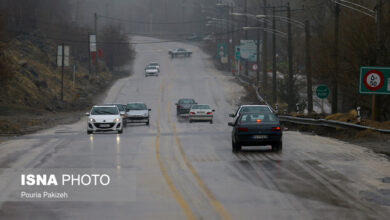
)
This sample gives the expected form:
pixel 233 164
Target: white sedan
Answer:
pixel 104 118
pixel 201 113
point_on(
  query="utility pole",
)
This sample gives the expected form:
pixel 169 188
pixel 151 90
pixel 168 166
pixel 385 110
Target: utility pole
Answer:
pixel 336 59
pixel 258 55
pixel 264 50
pixel 380 58
pixel 96 53
pixel 290 82
pixel 246 33
pixel 274 92
pixel 89 55
pixel 62 71
pixel 308 68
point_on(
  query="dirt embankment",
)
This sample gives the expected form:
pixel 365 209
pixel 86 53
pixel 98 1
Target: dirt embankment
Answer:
pixel 31 100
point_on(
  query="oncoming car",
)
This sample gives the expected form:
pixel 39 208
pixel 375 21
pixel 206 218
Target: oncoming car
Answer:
pixel 137 112
pixel 151 71
pixel 256 129
pixel 201 113
pixel 155 65
pixel 104 118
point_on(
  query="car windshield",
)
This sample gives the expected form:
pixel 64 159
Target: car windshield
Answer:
pixel 151 67
pixel 254 109
pixel 120 107
pixel 153 64
pixel 200 107
pixel 104 111
pixel 257 118
pixel 186 101
pixel 136 106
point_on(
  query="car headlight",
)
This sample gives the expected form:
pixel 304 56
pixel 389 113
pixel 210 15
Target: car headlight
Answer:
pixel 145 114
pixel 117 120
pixel 91 120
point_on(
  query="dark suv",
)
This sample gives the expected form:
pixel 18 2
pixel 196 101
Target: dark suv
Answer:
pixel 183 106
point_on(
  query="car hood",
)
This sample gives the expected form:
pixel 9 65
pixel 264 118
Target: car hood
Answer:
pixel 137 112
pixel 104 118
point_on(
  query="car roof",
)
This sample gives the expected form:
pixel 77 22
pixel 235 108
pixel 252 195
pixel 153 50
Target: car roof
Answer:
pixel 105 105
pixel 254 105
pixel 136 103
pixel 201 104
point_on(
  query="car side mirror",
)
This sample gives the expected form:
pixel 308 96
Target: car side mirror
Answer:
pixel 231 115
pixel 176 103
pixel 213 110
pixel 195 103
pixel 150 109
pixel 87 114
pixel 230 124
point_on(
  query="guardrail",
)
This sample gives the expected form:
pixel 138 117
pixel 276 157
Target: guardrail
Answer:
pixel 312 121
pixel 328 123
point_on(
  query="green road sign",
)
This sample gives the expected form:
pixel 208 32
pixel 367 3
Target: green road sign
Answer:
pixel 237 53
pixel 221 50
pixel 322 91
pixel 374 80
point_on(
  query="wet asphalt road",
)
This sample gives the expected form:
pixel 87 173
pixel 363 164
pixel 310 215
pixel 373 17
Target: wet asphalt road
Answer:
pixel 187 171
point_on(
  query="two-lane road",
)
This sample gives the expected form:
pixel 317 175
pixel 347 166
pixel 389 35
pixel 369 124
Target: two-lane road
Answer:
pixel 188 171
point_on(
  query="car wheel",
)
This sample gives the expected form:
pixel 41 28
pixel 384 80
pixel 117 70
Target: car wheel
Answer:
pixel 211 121
pixel 89 132
pixel 190 121
pixel 234 149
pixel 277 147
pixel 120 131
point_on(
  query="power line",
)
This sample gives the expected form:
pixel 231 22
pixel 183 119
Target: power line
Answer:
pixel 146 22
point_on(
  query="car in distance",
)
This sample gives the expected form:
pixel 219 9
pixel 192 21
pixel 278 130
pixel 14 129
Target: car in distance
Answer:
pixel 104 118
pixel 201 113
pixel 251 108
pixel 137 112
pixel 151 71
pixel 180 52
pixel 155 64
pixel 256 129
pixel 183 106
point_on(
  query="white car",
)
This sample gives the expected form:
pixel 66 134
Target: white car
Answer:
pixel 200 112
pixel 151 71
pixel 137 112
pixel 250 109
pixel 104 118
pixel 156 65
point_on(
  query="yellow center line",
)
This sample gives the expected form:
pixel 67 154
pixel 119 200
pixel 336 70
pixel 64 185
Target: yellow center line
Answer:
pixel 179 198
pixel 214 201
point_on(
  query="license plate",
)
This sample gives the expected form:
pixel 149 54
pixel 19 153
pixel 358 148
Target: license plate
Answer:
pixel 104 125
pixel 260 137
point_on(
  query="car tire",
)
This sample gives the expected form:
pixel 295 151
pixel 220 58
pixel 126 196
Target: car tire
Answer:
pixel 120 131
pixel 89 132
pixel 211 121
pixel 190 121
pixel 147 123
pixel 235 147
pixel 277 147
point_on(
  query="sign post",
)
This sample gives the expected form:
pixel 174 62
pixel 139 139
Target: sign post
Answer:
pixel 322 93
pixel 374 81
pixel 62 61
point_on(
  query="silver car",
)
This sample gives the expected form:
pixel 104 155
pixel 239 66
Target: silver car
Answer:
pixel 151 71
pixel 104 118
pixel 137 112
pixel 201 113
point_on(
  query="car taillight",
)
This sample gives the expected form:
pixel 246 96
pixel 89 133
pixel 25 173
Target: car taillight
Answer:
pixel 192 113
pixel 243 129
pixel 276 129
pixel 209 113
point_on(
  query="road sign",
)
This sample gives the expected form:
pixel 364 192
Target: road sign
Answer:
pixel 65 53
pixel 92 43
pixel 248 50
pixel 237 53
pixel 374 80
pixel 221 50
pixel 255 67
pixel 322 91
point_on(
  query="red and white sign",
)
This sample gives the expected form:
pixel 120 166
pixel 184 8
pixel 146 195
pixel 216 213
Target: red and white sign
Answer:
pixel 373 80
pixel 255 67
